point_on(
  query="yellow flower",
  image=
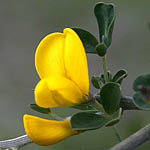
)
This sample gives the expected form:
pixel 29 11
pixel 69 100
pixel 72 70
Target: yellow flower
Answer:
pixel 47 132
pixel 61 63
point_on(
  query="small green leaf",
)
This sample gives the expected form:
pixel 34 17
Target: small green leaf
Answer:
pixel 105 17
pixel 101 49
pixel 40 109
pixel 141 87
pixel 141 81
pixel 141 102
pixel 96 82
pixel 89 41
pixel 109 77
pixel 115 118
pixel 119 76
pixel 87 121
pixel 110 97
pixel 83 107
pixel 102 78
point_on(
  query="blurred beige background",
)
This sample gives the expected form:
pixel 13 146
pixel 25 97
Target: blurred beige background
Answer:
pixel 24 23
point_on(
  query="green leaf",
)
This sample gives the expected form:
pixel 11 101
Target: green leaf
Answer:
pixel 102 78
pixel 141 81
pixel 105 17
pixel 83 107
pixel 110 97
pixel 101 49
pixel 141 102
pixel 96 82
pixel 141 87
pixel 40 109
pixel 115 118
pixel 119 76
pixel 109 77
pixel 89 41
pixel 87 121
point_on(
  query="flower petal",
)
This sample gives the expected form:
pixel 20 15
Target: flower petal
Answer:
pixel 75 61
pixel 43 96
pixel 47 132
pixel 49 57
pixel 58 91
pixel 63 54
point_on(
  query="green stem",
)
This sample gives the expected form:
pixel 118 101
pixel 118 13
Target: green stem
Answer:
pixel 105 69
pixel 117 134
pixel 55 116
pixel 98 106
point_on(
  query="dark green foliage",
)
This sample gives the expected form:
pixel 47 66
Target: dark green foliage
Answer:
pixel 115 118
pixel 119 76
pixel 87 121
pixel 88 40
pixel 96 82
pixel 109 77
pixel 40 109
pixel 141 87
pixel 101 49
pixel 142 80
pixel 140 101
pixel 110 95
pixel 105 17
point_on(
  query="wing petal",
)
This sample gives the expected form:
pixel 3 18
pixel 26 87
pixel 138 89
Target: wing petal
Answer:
pixel 47 132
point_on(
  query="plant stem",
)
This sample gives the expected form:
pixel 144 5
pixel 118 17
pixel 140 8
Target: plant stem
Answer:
pixel 98 106
pixel 105 69
pixel 55 116
pixel 15 143
pixel 117 134
pixel 135 140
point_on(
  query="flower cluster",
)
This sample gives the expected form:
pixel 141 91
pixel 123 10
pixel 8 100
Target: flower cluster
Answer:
pixel 61 63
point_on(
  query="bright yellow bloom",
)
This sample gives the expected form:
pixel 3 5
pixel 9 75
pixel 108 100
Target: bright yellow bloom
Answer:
pixel 47 132
pixel 61 63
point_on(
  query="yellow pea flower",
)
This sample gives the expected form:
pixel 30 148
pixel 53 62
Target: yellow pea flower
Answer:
pixel 61 63
pixel 47 132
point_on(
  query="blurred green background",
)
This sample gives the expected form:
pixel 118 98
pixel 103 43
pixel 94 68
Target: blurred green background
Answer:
pixel 24 23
